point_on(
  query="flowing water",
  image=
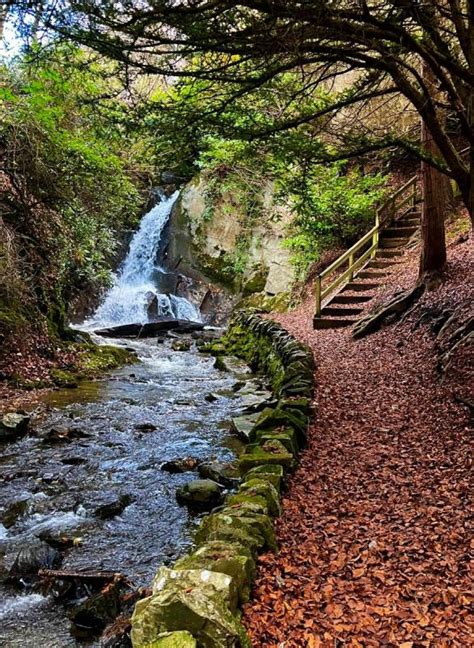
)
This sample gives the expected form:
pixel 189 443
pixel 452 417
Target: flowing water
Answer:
pixel 60 486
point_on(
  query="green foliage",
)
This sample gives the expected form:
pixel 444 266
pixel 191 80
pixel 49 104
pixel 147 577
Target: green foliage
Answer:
pixel 73 165
pixel 333 208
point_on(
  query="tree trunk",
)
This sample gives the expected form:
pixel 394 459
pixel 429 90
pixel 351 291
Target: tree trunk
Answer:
pixel 435 198
pixel 470 109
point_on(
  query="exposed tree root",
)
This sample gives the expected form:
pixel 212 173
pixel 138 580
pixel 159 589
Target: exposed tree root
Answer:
pixel 396 307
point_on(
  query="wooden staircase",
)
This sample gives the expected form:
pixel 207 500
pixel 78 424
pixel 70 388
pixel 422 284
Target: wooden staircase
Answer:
pixel 369 262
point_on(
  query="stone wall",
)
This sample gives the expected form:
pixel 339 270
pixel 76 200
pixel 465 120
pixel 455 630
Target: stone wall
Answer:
pixel 196 602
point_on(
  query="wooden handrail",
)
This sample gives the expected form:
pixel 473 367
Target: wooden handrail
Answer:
pixel 382 219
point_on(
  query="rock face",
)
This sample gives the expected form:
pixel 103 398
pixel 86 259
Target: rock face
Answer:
pixel 224 257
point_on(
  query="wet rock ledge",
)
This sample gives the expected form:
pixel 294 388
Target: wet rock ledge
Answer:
pixel 196 603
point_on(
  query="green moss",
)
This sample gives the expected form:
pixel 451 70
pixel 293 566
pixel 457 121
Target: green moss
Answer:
pixel 62 378
pixel 264 303
pixel 94 359
pixel 273 474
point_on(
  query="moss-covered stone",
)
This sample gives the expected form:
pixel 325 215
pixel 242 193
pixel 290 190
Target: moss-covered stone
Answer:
pixel 201 493
pixel 194 610
pixel 95 359
pixel 261 488
pixel 249 530
pixel 215 584
pixel 62 378
pixel 277 419
pixel 173 640
pixel 274 474
pixel 213 348
pixel 228 558
pixel 273 452
pixel 286 436
pixel 296 403
pixel 244 512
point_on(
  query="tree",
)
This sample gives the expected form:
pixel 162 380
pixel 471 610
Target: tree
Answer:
pixel 241 47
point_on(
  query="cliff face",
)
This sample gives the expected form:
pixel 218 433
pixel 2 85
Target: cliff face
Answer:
pixel 228 254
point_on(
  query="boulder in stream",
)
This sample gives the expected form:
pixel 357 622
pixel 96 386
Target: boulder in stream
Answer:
pixel 14 510
pixel 113 504
pixel 181 345
pixel 96 612
pixel 233 365
pixel 63 434
pixel 30 559
pixel 176 466
pixel 225 474
pixel 203 494
pixel 145 427
pixel 13 425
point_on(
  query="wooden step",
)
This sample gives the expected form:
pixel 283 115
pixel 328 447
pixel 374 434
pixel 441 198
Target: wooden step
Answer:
pixel 360 287
pixel 330 323
pixel 393 242
pixel 371 274
pixel 381 264
pixel 351 299
pixel 344 311
pixel 398 232
pixel 388 254
pixel 407 222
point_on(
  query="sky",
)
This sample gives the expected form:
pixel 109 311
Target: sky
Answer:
pixel 10 44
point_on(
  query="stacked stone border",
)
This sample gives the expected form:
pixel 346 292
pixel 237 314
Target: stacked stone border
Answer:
pixel 197 602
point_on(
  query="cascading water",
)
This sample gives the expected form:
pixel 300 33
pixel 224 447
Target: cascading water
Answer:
pixel 138 280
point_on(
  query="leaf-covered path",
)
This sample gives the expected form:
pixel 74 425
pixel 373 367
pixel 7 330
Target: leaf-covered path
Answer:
pixel 374 535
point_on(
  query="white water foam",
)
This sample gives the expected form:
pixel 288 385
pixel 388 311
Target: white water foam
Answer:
pixel 127 300
pixel 19 604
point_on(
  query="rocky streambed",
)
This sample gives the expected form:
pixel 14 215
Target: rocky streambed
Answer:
pixel 85 489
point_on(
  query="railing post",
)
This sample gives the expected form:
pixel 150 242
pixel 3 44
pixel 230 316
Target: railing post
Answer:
pixel 351 263
pixel 375 237
pixel 318 296
pixel 413 201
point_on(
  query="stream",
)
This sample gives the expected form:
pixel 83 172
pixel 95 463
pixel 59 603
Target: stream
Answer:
pixel 90 468
pixel 63 484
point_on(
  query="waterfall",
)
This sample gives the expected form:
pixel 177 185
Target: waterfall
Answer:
pixel 138 280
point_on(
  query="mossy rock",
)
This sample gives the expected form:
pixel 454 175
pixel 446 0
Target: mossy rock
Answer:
pixel 274 474
pixel 230 526
pixel 196 611
pixel 276 419
pixel 201 494
pixel 244 512
pixel 62 378
pixel 269 453
pixel 173 640
pixel 261 488
pixel 264 303
pixel 95 359
pixel 254 501
pixel 301 404
pixel 215 584
pixel 213 348
pixel 13 425
pixel 286 436
pixel 227 558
